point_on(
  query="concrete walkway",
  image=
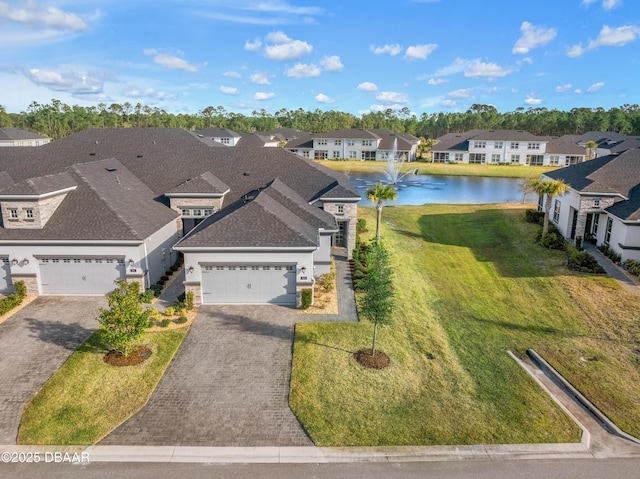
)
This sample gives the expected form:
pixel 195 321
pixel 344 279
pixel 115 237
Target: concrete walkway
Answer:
pixel 626 280
pixel 34 343
pixel 172 291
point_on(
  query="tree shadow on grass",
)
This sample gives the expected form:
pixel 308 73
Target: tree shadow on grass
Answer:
pixel 67 335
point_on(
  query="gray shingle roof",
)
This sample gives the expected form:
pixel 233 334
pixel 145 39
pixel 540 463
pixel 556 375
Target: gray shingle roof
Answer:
pixel 348 133
pixel 8 134
pixel 565 147
pixel 205 183
pixel 41 185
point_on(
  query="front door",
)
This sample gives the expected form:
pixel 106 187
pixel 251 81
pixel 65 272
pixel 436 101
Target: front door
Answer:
pixel 341 235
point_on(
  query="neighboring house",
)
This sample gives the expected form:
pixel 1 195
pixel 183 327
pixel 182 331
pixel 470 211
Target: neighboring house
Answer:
pixel 506 147
pixel 255 225
pixel 18 137
pixel 226 137
pixel 603 203
pixel 607 142
pixel 223 136
pixel 354 144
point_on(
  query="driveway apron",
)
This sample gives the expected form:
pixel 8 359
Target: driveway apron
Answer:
pixel 34 343
pixel 228 385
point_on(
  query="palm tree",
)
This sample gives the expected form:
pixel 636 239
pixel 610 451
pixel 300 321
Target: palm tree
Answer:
pixel 591 146
pixel 550 188
pixel 377 194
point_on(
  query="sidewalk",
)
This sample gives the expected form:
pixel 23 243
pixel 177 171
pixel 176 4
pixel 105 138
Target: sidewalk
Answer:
pixel 626 280
pixel 172 291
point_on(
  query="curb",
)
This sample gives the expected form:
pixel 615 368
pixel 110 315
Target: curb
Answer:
pixel 588 405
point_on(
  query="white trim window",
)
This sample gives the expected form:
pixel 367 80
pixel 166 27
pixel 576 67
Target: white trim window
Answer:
pixel 459 157
pixel 351 143
pixel 13 213
pixel 480 144
pixel 322 142
pixel 225 141
pixel 367 142
pixel 338 142
pixel 498 144
pixel 515 145
pixel 554 160
pixel 533 145
pixel 495 158
pixel 515 158
pixel 336 154
pixel 353 155
pixel 607 233
pixel 28 213
pixel 556 211
pixel 339 209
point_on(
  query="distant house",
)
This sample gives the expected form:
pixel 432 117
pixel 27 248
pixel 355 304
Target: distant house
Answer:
pixel 516 147
pixel 226 137
pixel 603 203
pixel 18 137
pixel 608 142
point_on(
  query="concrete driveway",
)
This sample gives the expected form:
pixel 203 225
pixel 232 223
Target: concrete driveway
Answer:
pixel 34 343
pixel 228 385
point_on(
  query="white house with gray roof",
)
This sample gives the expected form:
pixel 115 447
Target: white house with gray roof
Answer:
pixel 255 225
pixel 18 137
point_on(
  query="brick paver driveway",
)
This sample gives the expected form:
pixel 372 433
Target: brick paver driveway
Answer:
pixel 34 343
pixel 227 386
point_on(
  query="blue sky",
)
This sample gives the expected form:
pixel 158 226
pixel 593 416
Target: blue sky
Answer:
pixel 348 55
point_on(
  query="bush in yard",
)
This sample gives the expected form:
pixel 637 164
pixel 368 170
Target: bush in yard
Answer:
pixel 533 216
pixel 178 305
pixel 361 225
pixel 552 241
pixel 326 281
pixel 124 322
pixel 165 322
pixel 182 319
pixel 170 311
pixel 147 296
pixel 164 278
pixel 189 303
pixel 632 266
pixel 21 289
pixel 583 261
pixel 305 300
pixel 8 303
pixel 610 253
pixel 157 289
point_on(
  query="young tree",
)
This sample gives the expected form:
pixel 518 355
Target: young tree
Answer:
pixel 377 304
pixel 377 194
pixel 124 322
pixel 590 148
pixel 550 188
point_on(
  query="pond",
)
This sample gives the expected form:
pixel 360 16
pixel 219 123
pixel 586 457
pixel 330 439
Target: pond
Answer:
pixel 423 189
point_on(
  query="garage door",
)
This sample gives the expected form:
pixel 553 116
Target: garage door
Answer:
pixel 5 275
pixel 249 284
pixel 80 275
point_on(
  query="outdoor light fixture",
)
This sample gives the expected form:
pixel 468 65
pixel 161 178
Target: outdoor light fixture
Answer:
pixel 131 262
pixel 25 261
pixel 190 269
pixel 303 270
pixel 14 261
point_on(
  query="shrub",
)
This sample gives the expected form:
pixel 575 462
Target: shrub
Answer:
pixel 151 323
pixel 21 289
pixel 165 322
pixel 579 243
pixel 157 289
pixel 609 252
pixel 170 311
pixel 189 300
pixel 533 216
pixel 164 278
pixel 10 302
pixel 168 272
pixel 178 305
pixel 153 313
pixel 326 281
pixel 174 267
pixel 552 241
pixel 147 296
pixel 307 296
pixel 582 261
pixel 361 225
pixel 182 319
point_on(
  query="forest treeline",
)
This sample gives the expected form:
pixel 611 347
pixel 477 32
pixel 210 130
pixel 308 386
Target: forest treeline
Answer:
pixel 57 119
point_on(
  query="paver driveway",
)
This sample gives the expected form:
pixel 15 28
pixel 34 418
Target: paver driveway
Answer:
pixel 228 385
pixel 34 343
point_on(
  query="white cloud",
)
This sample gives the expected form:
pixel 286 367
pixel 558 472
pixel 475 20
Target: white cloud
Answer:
pixel 67 81
pixel 228 90
pixel 532 100
pixel 476 69
pixel 460 94
pixel 437 81
pixel 563 88
pixel 260 78
pixel 304 71
pixel 232 74
pixel 392 50
pixel 32 14
pixel 171 61
pixel 253 46
pixel 322 98
pixel 448 103
pixel 533 37
pixel 272 12
pixel 283 49
pixel 595 87
pixel 149 93
pixel 332 63
pixel 577 91
pixel 394 106
pixel 420 52
pixel 392 97
pixel 458 66
pixel 261 96
pixel 608 37
pixel 611 4
pixel 368 87
pixel 588 2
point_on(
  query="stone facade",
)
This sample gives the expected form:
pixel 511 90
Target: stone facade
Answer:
pixel 30 281
pixel 177 204
pixel 40 212
pixel 593 205
pixel 194 287
pixel 347 212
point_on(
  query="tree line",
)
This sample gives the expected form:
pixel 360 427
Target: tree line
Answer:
pixel 57 119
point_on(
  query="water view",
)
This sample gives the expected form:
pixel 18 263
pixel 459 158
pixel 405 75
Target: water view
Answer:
pixel 422 189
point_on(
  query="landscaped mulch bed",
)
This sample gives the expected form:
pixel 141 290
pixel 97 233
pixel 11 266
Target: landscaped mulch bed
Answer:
pixel 115 358
pixel 378 361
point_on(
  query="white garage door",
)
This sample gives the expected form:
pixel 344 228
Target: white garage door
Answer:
pixel 5 275
pixel 249 284
pixel 80 275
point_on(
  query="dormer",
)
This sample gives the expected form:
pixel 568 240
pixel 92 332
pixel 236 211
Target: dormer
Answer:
pixel 31 203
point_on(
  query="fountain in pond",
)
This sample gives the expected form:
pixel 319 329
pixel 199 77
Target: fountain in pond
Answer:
pixel 393 171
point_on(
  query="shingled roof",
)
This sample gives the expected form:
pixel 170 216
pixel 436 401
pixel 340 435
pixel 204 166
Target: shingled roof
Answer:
pixel 12 134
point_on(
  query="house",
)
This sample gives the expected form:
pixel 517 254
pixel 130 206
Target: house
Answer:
pixel 506 147
pixel 603 203
pixel 356 144
pixel 18 137
pixel 226 137
pixel 255 225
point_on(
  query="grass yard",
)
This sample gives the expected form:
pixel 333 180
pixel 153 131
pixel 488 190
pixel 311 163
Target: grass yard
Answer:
pixel 470 285
pixel 452 169
pixel 86 399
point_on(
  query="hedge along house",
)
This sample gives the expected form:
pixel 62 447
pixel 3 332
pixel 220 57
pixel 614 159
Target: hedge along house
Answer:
pixel 107 204
pixel 603 204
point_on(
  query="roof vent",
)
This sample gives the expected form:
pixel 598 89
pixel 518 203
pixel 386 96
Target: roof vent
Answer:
pixel 111 168
pixel 139 156
pixel 93 153
pixel 96 142
pixel 246 173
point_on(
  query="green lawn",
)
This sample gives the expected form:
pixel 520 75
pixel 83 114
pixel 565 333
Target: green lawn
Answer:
pixel 86 398
pixel 470 285
pixel 452 169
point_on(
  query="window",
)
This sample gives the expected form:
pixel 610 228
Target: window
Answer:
pixel 368 155
pixel 607 233
pixel 243 268
pixel 66 260
pixel 353 155
pixel 290 268
pixel 207 212
pixel 556 211
pixel 340 209
pixel 218 268
pixel 232 268
pixel 338 142
pixel 255 268
pixel 78 260
pixel 336 154
pixel 196 212
pixel 351 143
pixel 120 261
pixel 477 158
pixel 13 214
pixel 29 213
pixel 43 260
pixel 225 141
pixel 495 158
pixel 185 212
pixel 515 158
pixel 440 156
pixel 533 146
pixel 554 159
pixel 596 203
pixel 515 145
pixel 55 260
pixel 278 268
pixel 498 144
pixel 98 260
pixel 367 142
pixel 596 220
pixel 322 142
pixel 109 260
pixel 572 160
pixel 266 268
pixel 305 153
pixel 535 160
pixel 321 154
pixel 88 260
pixel 480 144
pixel 459 157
